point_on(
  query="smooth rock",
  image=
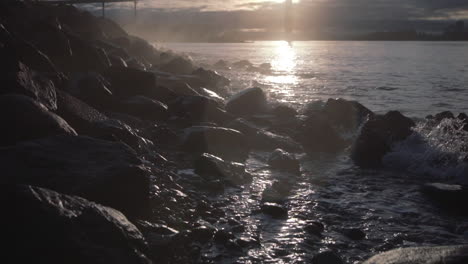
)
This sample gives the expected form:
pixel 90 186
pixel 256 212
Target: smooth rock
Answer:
pixel 199 109
pixel 211 78
pixel 274 210
pixel 178 65
pixel 327 257
pixel 284 112
pixel 92 88
pixel 223 142
pixel 212 167
pixel 267 140
pixel 247 102
pixel 377 137
pixel 423 255
pixel 346 114
pixel 449 196
pixel 354 233
pixel 145 108
pixel 106 172
pixel 22 119
pixel 58 228
pixel 284 161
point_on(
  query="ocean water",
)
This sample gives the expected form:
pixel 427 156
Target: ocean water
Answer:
pixel 417 78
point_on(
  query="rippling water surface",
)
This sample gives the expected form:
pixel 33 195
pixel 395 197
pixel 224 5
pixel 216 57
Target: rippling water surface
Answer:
pixel 418 78
pixel 414 77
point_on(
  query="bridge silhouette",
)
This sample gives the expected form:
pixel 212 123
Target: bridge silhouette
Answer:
pixel 102 2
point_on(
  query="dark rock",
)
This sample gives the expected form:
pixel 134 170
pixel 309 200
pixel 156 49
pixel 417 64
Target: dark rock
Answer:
pixel 91 88
pixel 78 114
pixel 247 128
pixel 212 95
pixel 202 234
pixel 106 172
pixel 462 116
pixel 247 102
pixel 153 228
pixel 267 140
pixel 423 255
pixel 449 196
pixel 354 233
pixel 222 65
pixel 127 82
pixel 284 112
pixel 377 137
pixel 223 236
pixel 178 65
pixel 315 228
pixel 346 114
pixel 117 61
pixel 212 167
pixel 178 87
pixel 274 210
pixel 327 257
pixel 211 78
pixel 284 161
pixel 57 228
pixel 242 64
pixel 444 115
pixel 199 109
pixel 86 56
pixel 317 135
pixel 223 142
pixel 19 79
pixel 22 118
pixel 145 108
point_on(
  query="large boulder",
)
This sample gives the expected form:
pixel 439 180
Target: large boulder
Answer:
pixel 86 56
pixel 267 140
pixel 127 82
pixel 178 65
pixel 223 142
pixel 316 134
pixel 20 79
pixel 214 168
pixel 145 108
pixel 449 196
pixel 346 114
pixel 423 255
pixel 211 78
pixel 284 161
pixel 247 102
pixel 107 172
pixel 377 137
pixel 78 114
pixel 22 118
pixel 199 109
pixel 91 88
pixel 57 228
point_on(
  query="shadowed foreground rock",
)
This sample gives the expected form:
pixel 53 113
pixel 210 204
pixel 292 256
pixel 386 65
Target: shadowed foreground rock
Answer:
pixel 106 172
pixel 423 255
pixel 247 102
pixel 56 228
pixel 212 167
pixel 22 118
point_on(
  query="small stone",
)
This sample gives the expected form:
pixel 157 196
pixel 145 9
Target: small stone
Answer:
pixel 327 257
pixel 275 210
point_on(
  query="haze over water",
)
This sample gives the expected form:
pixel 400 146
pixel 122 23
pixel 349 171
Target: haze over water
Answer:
pixel 417 78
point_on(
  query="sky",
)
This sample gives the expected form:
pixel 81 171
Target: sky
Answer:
pixel 338 16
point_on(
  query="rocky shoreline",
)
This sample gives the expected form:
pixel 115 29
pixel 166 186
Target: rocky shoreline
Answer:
pixel 112 150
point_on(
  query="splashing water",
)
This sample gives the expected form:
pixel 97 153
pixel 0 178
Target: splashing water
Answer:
pixel 434 150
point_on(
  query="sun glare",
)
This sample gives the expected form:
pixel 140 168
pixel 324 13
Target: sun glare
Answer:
pixel 283 63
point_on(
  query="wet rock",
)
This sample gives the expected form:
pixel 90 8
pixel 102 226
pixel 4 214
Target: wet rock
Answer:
pixel 327 257
pixel 447 195
pixel 22 119
pixel 284 112
pixel 222 236
pixel 377 137
pixel 127 82
pixel 284 161
pixel 267 140
pixel 203 233
pixel 444 115
pixel 247 128
pixel 212 167
pixel 223 142
pixel 106 172
pixel 277 192
pixel 78 114
pixel 427 255
pixel 247 102
pixel 346 114
pixel 19 79
pixel 199 109
pixel 91 88
pixel 178 65
pixel 315 228
pixel 153 228
pixel 68 229
pixel 211 78
pixel 117 61
pixel 86 56
pixel 317 135
pixel 179 87
pixel 274 210
pixel 354 233
pixel 242 64
pixel 145 108
pixel 212 95
pixel 222 65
